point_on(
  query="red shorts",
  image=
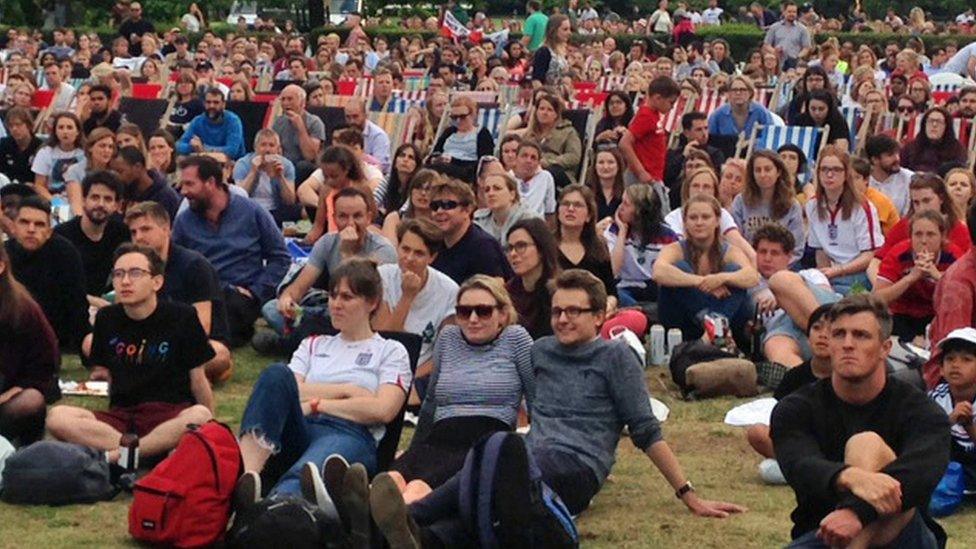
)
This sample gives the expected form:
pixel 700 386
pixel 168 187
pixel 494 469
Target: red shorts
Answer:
pixel 142 418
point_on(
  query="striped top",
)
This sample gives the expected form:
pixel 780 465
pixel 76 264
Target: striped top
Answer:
pixel 480 380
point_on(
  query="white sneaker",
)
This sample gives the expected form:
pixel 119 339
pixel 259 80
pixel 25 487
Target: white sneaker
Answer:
pixel 770 472
pixel 410 418
pixel 313 489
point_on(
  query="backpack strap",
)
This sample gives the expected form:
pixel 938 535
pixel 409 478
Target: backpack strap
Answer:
pixel 491 450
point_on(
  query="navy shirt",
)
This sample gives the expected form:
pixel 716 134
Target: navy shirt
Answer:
pixel 189 279
pixel 476 253
pixel 159 192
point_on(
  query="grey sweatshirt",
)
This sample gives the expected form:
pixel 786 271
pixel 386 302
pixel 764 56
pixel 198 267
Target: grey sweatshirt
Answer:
pixel 585 394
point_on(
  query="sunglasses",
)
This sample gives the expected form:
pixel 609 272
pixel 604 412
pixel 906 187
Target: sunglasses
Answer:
pixel 459 116
pixel 437 205
pixel 481 311
pixel 906 109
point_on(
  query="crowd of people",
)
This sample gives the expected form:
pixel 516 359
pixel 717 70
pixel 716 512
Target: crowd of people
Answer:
pixel 507 251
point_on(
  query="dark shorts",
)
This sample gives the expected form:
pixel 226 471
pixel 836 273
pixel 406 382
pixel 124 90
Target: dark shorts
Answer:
pixel 142 418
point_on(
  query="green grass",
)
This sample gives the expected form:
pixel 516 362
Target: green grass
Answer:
pixel 636 508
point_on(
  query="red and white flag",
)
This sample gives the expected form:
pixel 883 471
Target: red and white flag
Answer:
pixel 452 28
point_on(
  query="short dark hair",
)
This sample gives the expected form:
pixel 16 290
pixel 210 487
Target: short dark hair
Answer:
pixel 35 202
pixel 351 136
pixel 930 215
pixel 535 5
pixel 817 315
pixel 426 230
pixel 19 114
pixel 361 276
pixel 864 303
pixel 150 210
pixel 860 166
pixel 206 167
pixel 899 76
pixel 132 156
pixel 104 178
pixel 775 233
pixel 156 264
pixel 101 88
pixel 529 144
pixel 355 191
pixel 664 86
pixel 688 119
pixel 215 91
pixel 579 279
pixel 967 91
pixel 880 144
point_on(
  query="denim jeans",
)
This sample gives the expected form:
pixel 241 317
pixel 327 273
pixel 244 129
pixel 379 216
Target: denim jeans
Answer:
pixel 274 415
pixel 844 284
pixel 277 322
pixel 915 535
pixel 679 307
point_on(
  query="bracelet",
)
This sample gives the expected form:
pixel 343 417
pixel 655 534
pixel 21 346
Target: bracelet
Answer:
pixel 314 403
pixel 685 488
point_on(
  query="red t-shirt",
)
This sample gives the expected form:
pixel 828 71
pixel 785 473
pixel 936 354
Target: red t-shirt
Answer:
pixel 650 141
pixel 916 302
pixel 958 235
pixel 955 296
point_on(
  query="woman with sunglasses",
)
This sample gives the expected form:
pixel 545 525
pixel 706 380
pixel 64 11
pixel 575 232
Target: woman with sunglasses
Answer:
pixel 503 205
pixel 843 226
pixel 532 253
pixel 936 143
pixel 482 371
pixel 618 110
pixel 417 204
pixel 580 243
pixel 702 272
pixel 458 149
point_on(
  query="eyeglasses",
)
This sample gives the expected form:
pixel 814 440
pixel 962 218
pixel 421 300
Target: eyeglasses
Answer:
pixel 572 313
pixel 832 170
pixel 481 311
pixel 518 247
pixel 572 205
pixel 134 273
pixel 906 109
pixel 459 116
pixel 436 205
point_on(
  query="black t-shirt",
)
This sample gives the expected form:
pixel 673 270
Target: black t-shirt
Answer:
pixel 183 113
pixel 150 359
pixel 794 379
pixel 189 279
pixel 16 163
pixel 159 192
pixel 476 253
pixel 96 257
pixel 112 121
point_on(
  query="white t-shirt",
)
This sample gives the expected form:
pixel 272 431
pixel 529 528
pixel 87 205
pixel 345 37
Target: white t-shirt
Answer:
pixel 53 163
pixel 844 239
pixel 896 189
pixel 712 16
pixel 368 363
pixel 959 63
pixel 943 398
pixel 677 223
pixel 539 193
pixel 433 304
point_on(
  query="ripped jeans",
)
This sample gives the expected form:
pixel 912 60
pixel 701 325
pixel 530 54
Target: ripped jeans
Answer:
pixel 274 415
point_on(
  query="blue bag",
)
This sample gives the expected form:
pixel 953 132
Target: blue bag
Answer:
pixel 950 491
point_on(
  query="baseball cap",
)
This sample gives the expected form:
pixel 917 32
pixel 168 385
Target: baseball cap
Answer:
pixel 205 66
pixel 966 334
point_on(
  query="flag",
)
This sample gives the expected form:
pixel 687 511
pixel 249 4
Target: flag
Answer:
pixel 452 28
pixel 499 38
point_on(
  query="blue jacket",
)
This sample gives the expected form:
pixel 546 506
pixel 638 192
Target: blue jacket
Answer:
pixel 226 137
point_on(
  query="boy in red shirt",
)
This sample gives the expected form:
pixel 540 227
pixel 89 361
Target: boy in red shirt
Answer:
pixel 645 143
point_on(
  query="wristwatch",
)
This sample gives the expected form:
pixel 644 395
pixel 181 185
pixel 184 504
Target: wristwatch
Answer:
pixel 685 488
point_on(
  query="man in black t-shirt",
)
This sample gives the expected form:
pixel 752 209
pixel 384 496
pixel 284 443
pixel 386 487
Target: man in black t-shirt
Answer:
pixel 97 232
pixel 189 278
pixel 17 150
pixel 152 353
pixel 100 112
pixel 142 185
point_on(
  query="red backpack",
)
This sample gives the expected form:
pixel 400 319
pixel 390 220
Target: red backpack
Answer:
pixel 185 500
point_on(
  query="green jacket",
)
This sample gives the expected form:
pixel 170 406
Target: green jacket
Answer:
pixel 562 147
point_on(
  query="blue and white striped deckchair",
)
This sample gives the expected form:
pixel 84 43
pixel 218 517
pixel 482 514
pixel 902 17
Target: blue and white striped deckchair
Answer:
pixel 808 138
pixel 491 119
pixel 852 115
pixel 400 106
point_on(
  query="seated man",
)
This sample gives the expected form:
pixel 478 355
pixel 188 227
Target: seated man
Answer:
pixel 189 278
pixel 468 249
pixel 100 113
pixel 377 143
pixel 862 451
pixel 355 209
pixel 152 353
pixel 267 176
pixel 536 186
pixel 302 134
pixel 587 390
pixel 51 269
pixel 97 232
pixel 238 237
pixel 956 395
pixel 216 129
pixel 787 298
pixel 142 184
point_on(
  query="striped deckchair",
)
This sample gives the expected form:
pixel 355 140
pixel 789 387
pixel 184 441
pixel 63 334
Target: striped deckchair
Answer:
pixel 808 138
pixel 764 95
pixel 364 87
pixel 508 94
pixel 415 83
pixel 411 95
pixel 709 101
pixel 853 116
pixel 611 82
pixel 397 125
pixel 479 97
pixel 337 100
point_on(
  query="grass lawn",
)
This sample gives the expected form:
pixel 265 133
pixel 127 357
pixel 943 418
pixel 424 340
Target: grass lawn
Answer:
pixel 635 509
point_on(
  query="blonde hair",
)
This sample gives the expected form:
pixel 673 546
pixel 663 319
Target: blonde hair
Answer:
pixel 496 288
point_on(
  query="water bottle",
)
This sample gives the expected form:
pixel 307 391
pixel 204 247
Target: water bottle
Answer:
pixel 675 337
pixel 657 345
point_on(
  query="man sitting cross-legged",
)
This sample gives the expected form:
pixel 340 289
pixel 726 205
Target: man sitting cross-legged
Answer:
pixel 863 451
pixel 152 352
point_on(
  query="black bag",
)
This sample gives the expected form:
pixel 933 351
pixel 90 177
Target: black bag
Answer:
pixel 285 522
pixel 690 353
pixel 905 364
pixel 57 473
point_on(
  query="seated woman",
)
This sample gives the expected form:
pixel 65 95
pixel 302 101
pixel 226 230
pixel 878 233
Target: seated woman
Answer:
pixel 29 360
pixel 427 120
pixel 795 161
pixel 161 157
pixel 503 205
pixel 768 198
pixel 704 181
pixel 606 179
pixel 703 273
pixel 580 243
pixel 910 270
pixel 406 163
pixel 63 149
pixel 635 239
pixel 618 110
pixel 99 151
pixel 562 150
pixel 843 226
pixel 482 371
pixel 458 149
pixel 417 205
pixel 821 111
pixel 334 397
pixel 340 169
pixel 960 183
pixel 935 145
pixel 531 249
pixel 926 192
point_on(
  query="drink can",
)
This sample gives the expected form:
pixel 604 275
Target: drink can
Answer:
pixel 657 345
pixel 675 337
